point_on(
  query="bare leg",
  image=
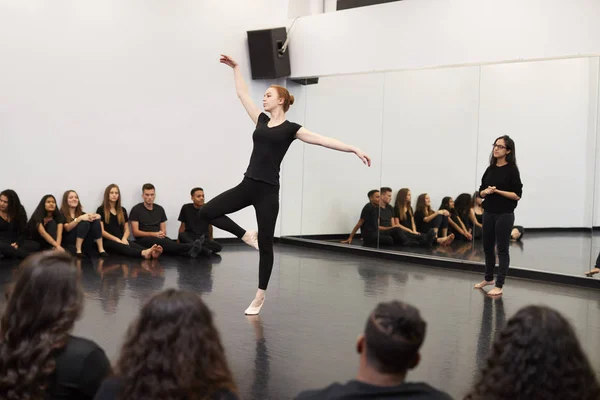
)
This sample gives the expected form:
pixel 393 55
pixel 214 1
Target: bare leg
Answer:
pixel 78 244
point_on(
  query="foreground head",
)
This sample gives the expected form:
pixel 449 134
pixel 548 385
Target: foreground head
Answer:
pixel 374 197
pixel 393 335
pixel 277 97
pixel 197 194
pixel 43 306
pixel 386 195
pixel 537 356
pixel 503 148
pixel 173 350
pixel 148 193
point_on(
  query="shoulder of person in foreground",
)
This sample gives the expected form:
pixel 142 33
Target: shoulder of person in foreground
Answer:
pixel 316 394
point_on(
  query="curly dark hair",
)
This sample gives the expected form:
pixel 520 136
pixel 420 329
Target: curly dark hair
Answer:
pixel 173 351
pixel 537 356
pixel 44 304
pixel 16 212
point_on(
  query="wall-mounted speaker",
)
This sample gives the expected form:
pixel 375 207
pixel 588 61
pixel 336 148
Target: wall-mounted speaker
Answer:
pixel 266 59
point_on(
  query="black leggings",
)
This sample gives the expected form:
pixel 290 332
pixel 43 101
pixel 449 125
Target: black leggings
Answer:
pixel 439 222
pixel 133 250
pixel 169 246
pixel 189 237
pixel 25 249
pixel 496 234
pixel 83 230
pixel 265 199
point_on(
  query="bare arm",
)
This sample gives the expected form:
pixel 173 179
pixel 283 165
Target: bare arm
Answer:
pixel 473 219
pixel 431 217
pixel 46 236
pixel 106 235
pixel 126 232
pixel 356 228
pixel 456 227
pixel 241 89
pixel 163 228
pixel 309 137
pixel 396 224
pixel 135 226
pixel 412 219
pixel 59 232
pixel 182 227
pixel 210 232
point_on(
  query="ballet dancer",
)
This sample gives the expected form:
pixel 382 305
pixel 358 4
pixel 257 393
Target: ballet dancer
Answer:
pixel 501 189
pixel 260 187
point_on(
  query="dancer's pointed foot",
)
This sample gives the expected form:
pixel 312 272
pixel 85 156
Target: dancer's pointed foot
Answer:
pixel 257 303
pixel 497 291
pixel 251 239
pixel 483 284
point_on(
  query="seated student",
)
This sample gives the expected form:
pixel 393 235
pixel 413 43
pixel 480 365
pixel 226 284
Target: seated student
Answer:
pixel 80 226
pixel 476 216
pixel 115 227
pixel 39 359
pixel 536 356
pixel 368 221
pixel 457 226
pixel 46 224
pixel 389 231
pixel 13 227
pixel 425 219
pixel 193 227
pixel 148 223
pixel 172 351
pixel 404 220
pixel 388 348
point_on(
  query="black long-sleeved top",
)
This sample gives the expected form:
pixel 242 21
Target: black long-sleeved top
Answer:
pixel 506 178
pixel 15 230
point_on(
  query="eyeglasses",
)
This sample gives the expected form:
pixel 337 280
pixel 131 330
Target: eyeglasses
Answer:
pixel 499 147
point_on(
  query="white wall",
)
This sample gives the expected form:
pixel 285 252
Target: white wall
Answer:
pixel 126 92
pixel 426 33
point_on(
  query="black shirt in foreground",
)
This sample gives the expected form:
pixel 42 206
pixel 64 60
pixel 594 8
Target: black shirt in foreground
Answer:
pixel 506 178
pixel 81 366
pixel 113 227
pixel 370 216
pixel 362 391
pixel 191 218
pixel 270 146
pixel 111 389
pixel 149 220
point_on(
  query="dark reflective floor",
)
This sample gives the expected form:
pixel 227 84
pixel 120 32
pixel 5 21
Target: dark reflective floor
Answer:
pixel 316 306
pixel 571 253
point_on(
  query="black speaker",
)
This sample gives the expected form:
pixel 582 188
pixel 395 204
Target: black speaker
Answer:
pixel 266 59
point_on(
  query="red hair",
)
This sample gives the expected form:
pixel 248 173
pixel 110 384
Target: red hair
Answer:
pixel 283 93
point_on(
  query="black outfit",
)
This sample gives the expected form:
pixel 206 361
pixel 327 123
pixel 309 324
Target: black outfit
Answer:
pixel 260 188
pixel 439 222
pixel 457 218
pixel 195 228
pixel 81 366
pixel 477 231
pixel 598 261
pixel 15 232
pixel 359 390
pixel 111 388
pixel 499 218
pixel 88 231
pixel 368 230
pixel 149 221
pixel 118 230
pixel 412 239
pixel 51 228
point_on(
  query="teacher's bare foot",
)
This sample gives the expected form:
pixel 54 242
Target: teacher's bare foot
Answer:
pixel 483 284
pixel 495 292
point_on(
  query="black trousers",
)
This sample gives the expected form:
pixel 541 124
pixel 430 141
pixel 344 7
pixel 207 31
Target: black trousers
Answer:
pixel 133 250
pixel 84 230
pixel 169 246
pixel 23 251
pixel 598 261
pixel 51 229
pixel 189 237
pixel 439 222
pixel 265 199
pixel 399 237
pixel 496 235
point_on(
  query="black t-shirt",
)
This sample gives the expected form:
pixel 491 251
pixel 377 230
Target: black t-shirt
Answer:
pixel 385 215
pixel 370 215
pixel 506 178
pixel 270 146
pixel 149 220
pixel 81 366
pixel 420 223
pixel 15 230
pixel 35 234
pixel 113 227
pixel 193 223
pixel 360 390
pixel 111 388
pixel 407 222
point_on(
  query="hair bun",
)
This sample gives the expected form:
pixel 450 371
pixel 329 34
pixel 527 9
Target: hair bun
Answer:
pixel 291 99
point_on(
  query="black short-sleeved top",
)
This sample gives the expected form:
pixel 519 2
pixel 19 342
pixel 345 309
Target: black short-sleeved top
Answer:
pixel 193 223
pixel 385 215
pixel 14 231
pixel 111 388
pixel 113 227
pixel 420 223
pixel 370 216
pixel 270 146
pixel 359 390
pixel 81 366
pixel 506 178
pixel 407 221
pixel 149 220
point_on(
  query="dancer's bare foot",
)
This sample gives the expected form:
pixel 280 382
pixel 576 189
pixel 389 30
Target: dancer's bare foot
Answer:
pixel 158 250
pixel 483 284
pixel 148 252
pixel 449 239
pixel 251 239
pixel 592 272
pixel 497 291
pixel 257 303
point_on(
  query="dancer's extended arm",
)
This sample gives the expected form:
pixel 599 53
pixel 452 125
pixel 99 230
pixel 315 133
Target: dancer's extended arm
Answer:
pixel 241 89
pixel 314 138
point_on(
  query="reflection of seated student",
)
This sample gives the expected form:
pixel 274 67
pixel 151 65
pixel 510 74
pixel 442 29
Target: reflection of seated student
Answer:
pixel 148 223
pixel 404 220
pixel 367 223
pixel 13 227
pixel 46 224
pixel 389 232
pixel 596 269
pixel 457 225
pixel 193 227
pixel 425 219
pixel 476 215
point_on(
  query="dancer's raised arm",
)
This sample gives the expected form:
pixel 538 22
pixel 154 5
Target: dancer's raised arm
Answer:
pixel 241 89
pixel 314 138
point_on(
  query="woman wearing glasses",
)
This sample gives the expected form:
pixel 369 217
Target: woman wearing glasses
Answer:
pixel 501 189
